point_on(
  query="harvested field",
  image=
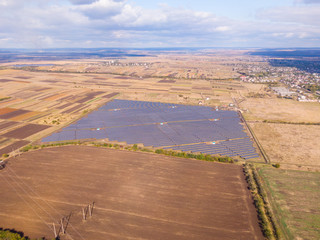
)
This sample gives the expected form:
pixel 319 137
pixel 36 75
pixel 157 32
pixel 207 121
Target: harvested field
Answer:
pixel 106 84
pixel 202 88
pixel 120 77
pixel 89 96
pixel 25 131
pixel 7 103
pixel 41 89
pixel 36 117
pixel 5 125
pixel 85 99
pixel 27 94
pixel 80 109
pixel 167 81
pixel 156 90
pixel 110 95
pixel 23 77
pixel 5 80
pixel 13 114
pixel 137 196
pixel 78 106
pixel 64 106
pixel 67 98
pixel 17 81
pixel 36 105
pixel 7 110
pixel 45 96
pixel 13 146
pixel 180 89
pixel 3 140
pixel 25 116
pixel 50 81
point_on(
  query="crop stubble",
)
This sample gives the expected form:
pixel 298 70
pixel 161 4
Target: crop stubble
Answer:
pixel 137 195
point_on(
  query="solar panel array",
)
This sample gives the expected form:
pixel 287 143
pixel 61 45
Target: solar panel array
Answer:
pixel 239 147
pixel 170 126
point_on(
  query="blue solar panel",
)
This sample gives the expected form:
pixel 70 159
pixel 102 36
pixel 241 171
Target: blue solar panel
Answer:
pixel 164 125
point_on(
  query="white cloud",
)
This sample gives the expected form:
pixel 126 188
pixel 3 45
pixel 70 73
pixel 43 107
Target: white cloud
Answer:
pixel 102 23
pixel 223 28
pixel 308 15
pixel 79 2
pixel 311 1
pixel 101 9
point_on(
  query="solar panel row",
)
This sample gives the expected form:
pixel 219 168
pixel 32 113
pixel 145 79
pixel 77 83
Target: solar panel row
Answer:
pixel 246 151
pixel 163 124
pixel 145 116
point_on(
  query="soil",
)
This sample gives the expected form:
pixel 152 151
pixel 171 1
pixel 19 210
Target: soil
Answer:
pixel 5 125
pixel 13 146
pixel 25 131
pixel 6 110
pixel 14 114
pixel 137 196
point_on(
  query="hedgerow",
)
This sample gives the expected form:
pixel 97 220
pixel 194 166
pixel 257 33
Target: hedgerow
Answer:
pixel 135 147
pixel 269 226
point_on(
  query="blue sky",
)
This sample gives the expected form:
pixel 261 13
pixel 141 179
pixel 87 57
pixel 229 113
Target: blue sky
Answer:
pixel 159 23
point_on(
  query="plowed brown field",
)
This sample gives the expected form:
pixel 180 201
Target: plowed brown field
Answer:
pixel 14 114
pixel 25 116
pixel 6 110
pixel 25 131
pixel 137 196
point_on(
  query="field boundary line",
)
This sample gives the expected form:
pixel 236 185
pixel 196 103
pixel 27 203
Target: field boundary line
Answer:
pixel 284 122
pixel 262 151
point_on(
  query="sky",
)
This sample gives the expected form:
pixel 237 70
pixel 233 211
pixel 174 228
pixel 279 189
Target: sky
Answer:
pixel 39 24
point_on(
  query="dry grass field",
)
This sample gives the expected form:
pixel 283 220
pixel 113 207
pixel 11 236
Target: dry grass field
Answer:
pixel 281 110
pixel 137 196
pixel 293 146
pixel 162 65
pixel 269 107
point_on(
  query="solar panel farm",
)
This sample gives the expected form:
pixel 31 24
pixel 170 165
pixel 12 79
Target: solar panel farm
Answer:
pixel 143 135
pixel 169 126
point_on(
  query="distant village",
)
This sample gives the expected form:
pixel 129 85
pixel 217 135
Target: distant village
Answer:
pixel 301 83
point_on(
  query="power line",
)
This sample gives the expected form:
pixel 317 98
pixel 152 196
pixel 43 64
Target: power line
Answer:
pixel 42 200
pixel 26 202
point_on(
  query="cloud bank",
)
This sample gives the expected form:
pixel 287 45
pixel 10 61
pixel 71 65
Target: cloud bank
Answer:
pixel 311 1
pixel 118 23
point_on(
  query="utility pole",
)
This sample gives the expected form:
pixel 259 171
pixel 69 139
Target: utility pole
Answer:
pixel 64 222
pixel 87 209
pixel 54 231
